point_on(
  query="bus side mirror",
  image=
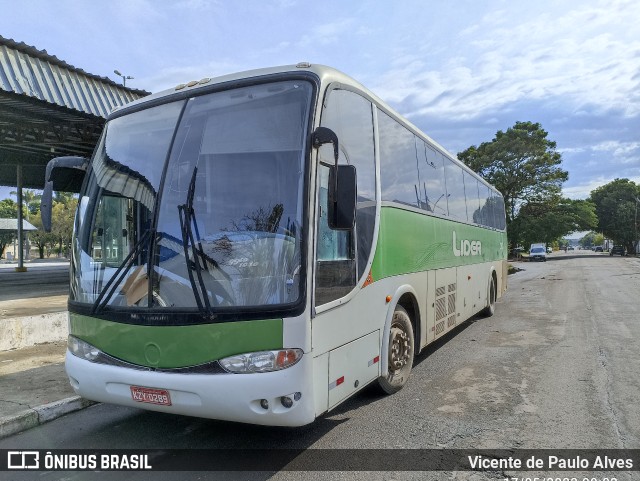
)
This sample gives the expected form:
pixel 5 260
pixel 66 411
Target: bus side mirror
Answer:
pixel 323 135
pixel 63 174
pixel 342 184
pixel 342 197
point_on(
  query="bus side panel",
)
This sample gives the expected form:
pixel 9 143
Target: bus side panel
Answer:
pixel 320 383
pixel 473 282
pixel 353 366
pixel 364 313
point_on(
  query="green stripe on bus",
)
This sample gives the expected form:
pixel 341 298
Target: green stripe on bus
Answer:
pixel 412 242
pixel 176 346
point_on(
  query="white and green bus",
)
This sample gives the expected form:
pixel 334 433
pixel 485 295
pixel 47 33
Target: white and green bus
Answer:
pixel 259 247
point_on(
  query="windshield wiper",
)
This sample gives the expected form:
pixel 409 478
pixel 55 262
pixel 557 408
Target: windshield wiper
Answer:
pixel 107 291
pixel 187 218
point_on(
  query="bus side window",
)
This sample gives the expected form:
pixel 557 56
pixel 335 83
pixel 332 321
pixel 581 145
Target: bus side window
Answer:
pixel 456 192
pixel 474 209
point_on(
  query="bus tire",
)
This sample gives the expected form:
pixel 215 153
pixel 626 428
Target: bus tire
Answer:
pixel 400 354
pixel 491 299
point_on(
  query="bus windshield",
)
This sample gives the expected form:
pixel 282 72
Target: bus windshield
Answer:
pixel 197 204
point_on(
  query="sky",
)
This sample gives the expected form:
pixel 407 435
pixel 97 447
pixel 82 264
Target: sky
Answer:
pixel 460 71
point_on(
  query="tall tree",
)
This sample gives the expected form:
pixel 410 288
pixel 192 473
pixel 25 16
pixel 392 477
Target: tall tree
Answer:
pixel 62 216
pixel 522 163
pixel 39 237
pixel 592 239
pixel 616 207
pixel 30 201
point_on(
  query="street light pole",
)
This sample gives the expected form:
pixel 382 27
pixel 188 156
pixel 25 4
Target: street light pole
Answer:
pixel 124 77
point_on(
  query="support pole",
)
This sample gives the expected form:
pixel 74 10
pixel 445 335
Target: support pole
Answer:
pixel 21 267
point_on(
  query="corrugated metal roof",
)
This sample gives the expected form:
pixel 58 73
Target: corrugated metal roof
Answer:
pixel 12 225
pixel 27 71
pixel 49 108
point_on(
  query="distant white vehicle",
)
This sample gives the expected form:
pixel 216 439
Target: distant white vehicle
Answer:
pixel 538 252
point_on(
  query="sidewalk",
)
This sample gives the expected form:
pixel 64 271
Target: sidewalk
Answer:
pixel 34 387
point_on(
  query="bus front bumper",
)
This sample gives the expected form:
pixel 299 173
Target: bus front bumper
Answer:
pixel 228 397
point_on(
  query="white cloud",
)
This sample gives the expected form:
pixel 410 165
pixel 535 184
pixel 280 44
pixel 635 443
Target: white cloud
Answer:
pixel 171 76
pixel 620 152
pixel 572 150
pixel 542 58
pixel 583 190
pixel 327 33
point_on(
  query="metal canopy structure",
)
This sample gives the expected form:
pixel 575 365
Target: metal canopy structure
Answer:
pixel 49 108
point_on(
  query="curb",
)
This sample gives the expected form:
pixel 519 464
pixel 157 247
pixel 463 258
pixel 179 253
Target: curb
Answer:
pixel 30 418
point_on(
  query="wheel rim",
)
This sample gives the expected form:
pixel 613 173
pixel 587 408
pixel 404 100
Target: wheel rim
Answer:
pixel 399 348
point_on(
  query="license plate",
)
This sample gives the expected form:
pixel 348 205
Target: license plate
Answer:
pixel 150 395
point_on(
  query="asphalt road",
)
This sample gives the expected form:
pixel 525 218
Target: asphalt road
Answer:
pixel 53 277
pixel 558 366
pixel 43 289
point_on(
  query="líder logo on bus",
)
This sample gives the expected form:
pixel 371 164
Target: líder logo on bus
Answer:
pixel 467 247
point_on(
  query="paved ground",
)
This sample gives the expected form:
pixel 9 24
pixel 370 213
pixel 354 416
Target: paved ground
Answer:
pixel 32 376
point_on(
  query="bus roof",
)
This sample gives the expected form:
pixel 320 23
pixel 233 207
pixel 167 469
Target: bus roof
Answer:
pixel 326 75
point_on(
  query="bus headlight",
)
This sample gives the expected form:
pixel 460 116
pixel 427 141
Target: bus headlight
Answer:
pixel 82 349
pixel 264 361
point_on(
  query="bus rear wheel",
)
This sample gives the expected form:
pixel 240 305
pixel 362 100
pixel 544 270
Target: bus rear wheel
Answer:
pixel 491 301
pixel 400 354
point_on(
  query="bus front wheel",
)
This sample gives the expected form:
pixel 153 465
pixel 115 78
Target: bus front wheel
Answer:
pixel 400 353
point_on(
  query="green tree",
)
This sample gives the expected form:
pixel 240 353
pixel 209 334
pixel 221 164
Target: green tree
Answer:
pixel 521 163
pixel 30 202
pixel 598 240
pixel 8 210
pixel 592 239
pixel 62 216
pixel 552 219
pixel 64 197
pixel 616 209
pixel 40 238
pixel 588 240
